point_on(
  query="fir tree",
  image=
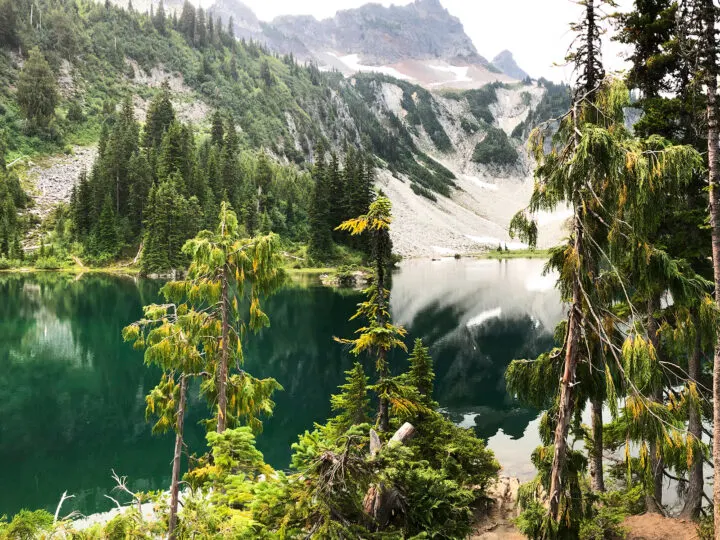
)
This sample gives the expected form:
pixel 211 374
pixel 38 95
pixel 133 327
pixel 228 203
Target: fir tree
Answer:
pixel 82 207
pixel 421 374
pixel 352 404
pixel 320 247
pixel 106 239
pixel 37 91
pixel 160 116
pixel 160 19
pixel 186 24
pixel 217 131
pixel 8 24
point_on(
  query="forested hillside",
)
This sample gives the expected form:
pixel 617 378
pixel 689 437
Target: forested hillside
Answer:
pixel 68 69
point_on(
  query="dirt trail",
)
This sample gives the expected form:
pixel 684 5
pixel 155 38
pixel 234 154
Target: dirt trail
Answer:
pixel 497 523
pixel 657 527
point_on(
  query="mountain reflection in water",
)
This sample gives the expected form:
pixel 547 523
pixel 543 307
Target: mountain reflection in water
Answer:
pixel 72 394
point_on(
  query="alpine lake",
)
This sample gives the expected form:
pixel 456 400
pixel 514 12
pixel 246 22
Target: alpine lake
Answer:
pixel 72 393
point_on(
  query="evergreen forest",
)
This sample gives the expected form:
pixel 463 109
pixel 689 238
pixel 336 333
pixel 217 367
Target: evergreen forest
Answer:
pixel 281 166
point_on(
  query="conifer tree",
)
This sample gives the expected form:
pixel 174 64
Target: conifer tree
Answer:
pixel 226 270
pixel 186 24
pixel 160 19
pixel 380 336
pixel 176 156
pixel 8 24
pixel 583 170
pixel 421 374
pixel 320 247
pixel 705 13
pixel 82 207
pixel 160 116
pixel 217 131
pixel 106 239
pixel 37 91
pixel 352 404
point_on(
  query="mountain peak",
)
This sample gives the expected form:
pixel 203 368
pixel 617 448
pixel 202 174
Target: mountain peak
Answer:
pixel 506 63
pixel 381 35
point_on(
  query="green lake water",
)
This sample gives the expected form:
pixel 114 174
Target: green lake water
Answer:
pixel 72 393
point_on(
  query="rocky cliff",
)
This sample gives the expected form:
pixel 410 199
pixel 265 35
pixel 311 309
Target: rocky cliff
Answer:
pixel 381 35
pixel 505 62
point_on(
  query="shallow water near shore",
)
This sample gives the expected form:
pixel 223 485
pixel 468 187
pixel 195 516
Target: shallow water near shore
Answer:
pixel 72 394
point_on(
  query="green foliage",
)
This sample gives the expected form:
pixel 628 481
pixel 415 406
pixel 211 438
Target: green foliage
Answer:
pixel 352 403
pixel 36 91
pixel 421 375
pixel 479 101
pixel 495 149
pixel 27 525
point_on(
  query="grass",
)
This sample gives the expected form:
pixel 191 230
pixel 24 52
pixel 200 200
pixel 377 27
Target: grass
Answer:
pixel 76 270
pixel 514 254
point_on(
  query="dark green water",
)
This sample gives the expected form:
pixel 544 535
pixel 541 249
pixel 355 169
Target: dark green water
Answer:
pixel 72 393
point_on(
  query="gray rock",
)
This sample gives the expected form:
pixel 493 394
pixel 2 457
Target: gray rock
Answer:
pixel 381 35
pixel 506 63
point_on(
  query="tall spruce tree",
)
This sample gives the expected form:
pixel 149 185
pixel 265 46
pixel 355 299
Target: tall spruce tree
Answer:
pixel 37 93
pixel 352 404
pixel 321 245
pixel 160 116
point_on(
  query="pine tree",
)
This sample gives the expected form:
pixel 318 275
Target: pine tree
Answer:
pixel 705 13
pixel 352 404
pixel 160 117
pixel 200 29
pixel 139 180
pixel 82 207
pixel 37 91
pixel 217 131
pixel 8 24
pixel 176 155
pixel 106 239
pixel 582 169
pixel 160 20
pixel 186 24
pixel 320 247
pixel 421 374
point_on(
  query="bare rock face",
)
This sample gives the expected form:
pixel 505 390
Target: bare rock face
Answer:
pixel 380 35
pixel 506 63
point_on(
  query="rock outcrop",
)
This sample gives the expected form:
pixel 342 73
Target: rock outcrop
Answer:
pixel 381 35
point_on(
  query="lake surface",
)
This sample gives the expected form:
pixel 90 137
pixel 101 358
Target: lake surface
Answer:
pixel 72 394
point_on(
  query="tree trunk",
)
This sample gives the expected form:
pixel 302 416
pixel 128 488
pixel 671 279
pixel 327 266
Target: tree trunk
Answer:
pixel 383 372
pixel 222 374
pixel 653 497
pixel 384 405
pixel 177 459
pixel 711 72
pixel 693 498
pixel 596 463
pixel 565 408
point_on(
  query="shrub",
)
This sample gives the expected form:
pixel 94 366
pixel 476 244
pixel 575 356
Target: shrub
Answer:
pixel 6 264
pixel 495 149
pixel 27 525
pixel 423 192
pixel 48 263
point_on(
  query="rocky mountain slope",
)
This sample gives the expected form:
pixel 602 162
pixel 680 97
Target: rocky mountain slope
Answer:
pixel 426 139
